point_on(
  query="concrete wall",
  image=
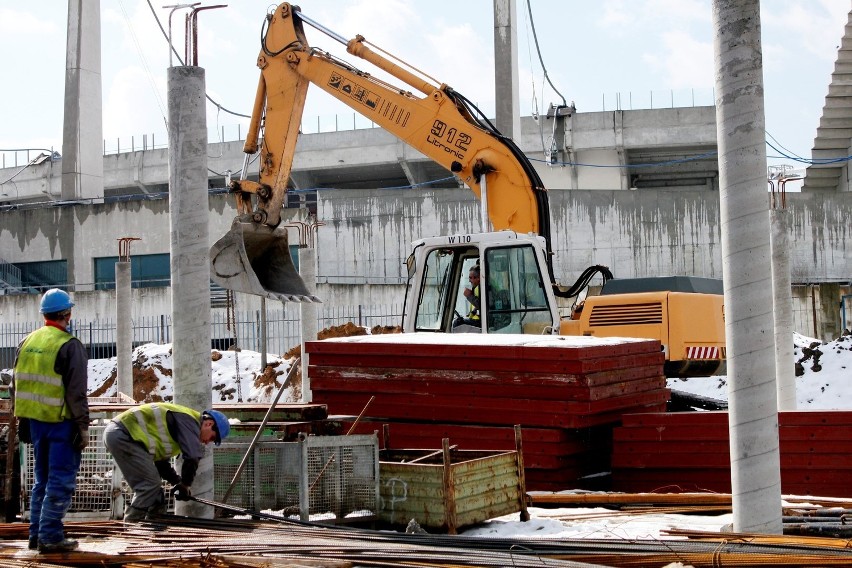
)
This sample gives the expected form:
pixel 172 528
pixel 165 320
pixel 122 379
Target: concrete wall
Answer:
pixel 358 158
pixel 670 225
pixel 366 236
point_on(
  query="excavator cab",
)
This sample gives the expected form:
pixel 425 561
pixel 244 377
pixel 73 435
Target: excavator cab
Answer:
pixel 255 259
pixel 512 297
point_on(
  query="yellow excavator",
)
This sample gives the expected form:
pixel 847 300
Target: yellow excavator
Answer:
pixel 517 292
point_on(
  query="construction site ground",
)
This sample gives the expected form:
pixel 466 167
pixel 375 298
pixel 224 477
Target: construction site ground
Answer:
pixel 176 541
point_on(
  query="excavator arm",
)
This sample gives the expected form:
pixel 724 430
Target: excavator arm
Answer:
pixel 434 119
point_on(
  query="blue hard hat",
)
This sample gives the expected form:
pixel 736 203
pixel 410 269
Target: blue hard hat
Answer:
pixel 223 427
pixel 55 300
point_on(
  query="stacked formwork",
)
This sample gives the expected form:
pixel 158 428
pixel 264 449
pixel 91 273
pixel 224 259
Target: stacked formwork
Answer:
pixel 690 451
pixel 565 392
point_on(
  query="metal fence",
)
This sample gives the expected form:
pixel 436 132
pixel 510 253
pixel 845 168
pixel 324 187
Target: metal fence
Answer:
pixel 282 329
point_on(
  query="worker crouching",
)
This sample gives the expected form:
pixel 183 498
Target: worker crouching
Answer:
pixel 143 440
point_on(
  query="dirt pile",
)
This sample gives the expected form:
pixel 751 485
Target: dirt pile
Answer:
pixel 348 329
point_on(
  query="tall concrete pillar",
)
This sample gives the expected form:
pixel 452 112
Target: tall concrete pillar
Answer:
pixel 308 311
pixel 123 329
pixel 785 371
pixel 82 133
pixel 508 116
pixel 189 214
pixel 746 266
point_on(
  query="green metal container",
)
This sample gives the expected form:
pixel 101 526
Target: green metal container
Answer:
pixel 448 489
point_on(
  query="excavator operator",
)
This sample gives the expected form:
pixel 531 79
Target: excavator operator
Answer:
pixel 472 295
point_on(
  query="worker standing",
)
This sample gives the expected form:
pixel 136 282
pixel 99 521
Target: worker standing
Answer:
pixel 142 440
pixel 51 378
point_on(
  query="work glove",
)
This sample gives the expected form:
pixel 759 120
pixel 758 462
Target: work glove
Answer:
pixel 81 439
pixel 181 492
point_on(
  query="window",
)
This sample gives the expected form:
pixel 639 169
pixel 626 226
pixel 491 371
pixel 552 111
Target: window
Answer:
pixel 514 291
pixel 294 254
pixel 36 277
pixel 441 291
pixel 146 271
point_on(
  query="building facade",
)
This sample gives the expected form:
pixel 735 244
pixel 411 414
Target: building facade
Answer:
pixel 634 190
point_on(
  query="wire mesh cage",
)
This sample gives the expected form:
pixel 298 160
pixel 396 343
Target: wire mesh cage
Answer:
pixel 317 477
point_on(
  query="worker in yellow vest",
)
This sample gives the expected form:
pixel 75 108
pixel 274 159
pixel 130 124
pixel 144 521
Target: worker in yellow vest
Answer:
pixel 472 294
pixel 143 439
pixel 51 379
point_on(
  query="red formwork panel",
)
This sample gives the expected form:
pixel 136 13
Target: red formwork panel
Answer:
pixel 640 369
pixel 821 433
pixel 833 418
pixel 492 346
pixel 543 448
pixel 488 410
pixel 686 446
pixel 525 364
pixel 412 435
pixel 722 460
pixel 516 353
pixel 475 384
pixel 692 449
pixel 666 433
pixel 664 419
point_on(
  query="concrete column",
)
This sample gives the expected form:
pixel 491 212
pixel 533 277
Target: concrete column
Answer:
pixel 785 372
pixel 82 133
pixel 190 258
pixel 508 115
pixel 753 408
pixel 123 330
pixel 308 312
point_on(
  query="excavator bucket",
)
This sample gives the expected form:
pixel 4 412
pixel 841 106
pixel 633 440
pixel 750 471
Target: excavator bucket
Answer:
pixel 255 259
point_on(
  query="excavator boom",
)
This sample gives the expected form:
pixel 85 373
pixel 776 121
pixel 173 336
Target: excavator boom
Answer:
pixel 437 121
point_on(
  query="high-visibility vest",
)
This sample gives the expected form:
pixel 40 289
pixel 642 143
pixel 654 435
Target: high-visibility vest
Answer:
pixel 39 391
pixel 473 314
pixel 147 424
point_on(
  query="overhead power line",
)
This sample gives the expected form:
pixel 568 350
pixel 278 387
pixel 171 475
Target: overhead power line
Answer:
pixel 540 58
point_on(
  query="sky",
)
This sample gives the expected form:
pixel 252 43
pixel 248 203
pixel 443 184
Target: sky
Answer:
pixel 824 384
pixel 597 53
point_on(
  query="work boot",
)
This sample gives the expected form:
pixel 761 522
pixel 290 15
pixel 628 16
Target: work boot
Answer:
pixel 134 514
pixel 64 545
pixel 33 543
pixel 155 511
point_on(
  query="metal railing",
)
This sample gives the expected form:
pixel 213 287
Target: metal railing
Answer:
pixel 339 122
pixel 10 275
pixel 283 330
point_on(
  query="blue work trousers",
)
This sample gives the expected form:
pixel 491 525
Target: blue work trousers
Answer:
pixel 56 465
